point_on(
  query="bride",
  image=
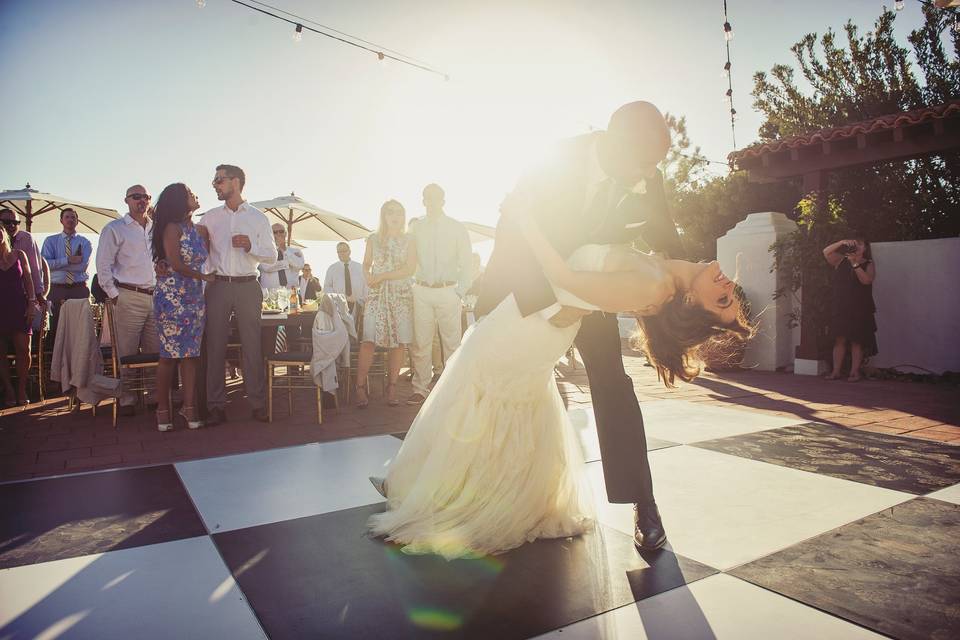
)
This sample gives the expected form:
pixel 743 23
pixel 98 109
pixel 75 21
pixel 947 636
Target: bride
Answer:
pixel 491 460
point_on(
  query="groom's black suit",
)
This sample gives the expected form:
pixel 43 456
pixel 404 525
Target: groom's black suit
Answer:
pixel 558 192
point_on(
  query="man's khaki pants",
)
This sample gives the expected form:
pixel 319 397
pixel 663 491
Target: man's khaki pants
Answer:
pixel 433 309
pixel 136 332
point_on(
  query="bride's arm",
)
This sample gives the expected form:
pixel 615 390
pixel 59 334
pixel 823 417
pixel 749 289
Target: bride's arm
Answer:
pixel 612 291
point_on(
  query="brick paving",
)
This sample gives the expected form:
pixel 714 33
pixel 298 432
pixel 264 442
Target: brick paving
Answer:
pixel 46 440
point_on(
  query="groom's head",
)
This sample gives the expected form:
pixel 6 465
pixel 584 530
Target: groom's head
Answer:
pixel 636 140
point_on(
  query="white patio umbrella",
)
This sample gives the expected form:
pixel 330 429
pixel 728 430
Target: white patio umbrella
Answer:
pixel 480 232
pixel 311 222
pixel 33 205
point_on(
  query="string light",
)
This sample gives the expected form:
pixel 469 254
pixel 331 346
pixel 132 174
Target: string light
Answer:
pixel 898 5
pixel 201 4
pixel 728 96
pixel 300 25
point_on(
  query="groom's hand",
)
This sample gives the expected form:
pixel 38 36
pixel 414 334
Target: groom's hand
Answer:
pixel 567 316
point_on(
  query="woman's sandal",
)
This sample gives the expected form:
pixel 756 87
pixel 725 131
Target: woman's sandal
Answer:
pixel 190 415
pixel 164 425
pixel 362 404
pixel 392 400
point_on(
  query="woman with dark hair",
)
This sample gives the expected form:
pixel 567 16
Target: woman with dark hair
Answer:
pixel 852 312
pixel 389 262
pixel 491 461
pixel 178 298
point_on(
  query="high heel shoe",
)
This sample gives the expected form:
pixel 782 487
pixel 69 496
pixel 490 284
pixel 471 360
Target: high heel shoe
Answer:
pixel 362 404
pixel 380 484
pixel 189 414
pixel 392 400
pixel 164 425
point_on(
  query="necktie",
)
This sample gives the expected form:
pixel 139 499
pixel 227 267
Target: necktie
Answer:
pixel 347 284
pixel 282 272
pixel 68 250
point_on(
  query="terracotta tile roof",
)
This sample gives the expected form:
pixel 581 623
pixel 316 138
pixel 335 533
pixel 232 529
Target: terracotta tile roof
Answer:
pixel 891 121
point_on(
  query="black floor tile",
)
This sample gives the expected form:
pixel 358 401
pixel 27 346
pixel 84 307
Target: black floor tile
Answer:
pixel 903 464
pixel 45 520
pixel 896 572
pixel 322 577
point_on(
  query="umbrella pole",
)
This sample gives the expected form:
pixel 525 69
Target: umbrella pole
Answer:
pixel 29 214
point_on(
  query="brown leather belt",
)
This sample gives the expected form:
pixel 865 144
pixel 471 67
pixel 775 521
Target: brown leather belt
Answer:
pixel 130 287
pixel 435 285
pixel 220 278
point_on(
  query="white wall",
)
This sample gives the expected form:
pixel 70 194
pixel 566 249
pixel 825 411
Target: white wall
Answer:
pixel 917 293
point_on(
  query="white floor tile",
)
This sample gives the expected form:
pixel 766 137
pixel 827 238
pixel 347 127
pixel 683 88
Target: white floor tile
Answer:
pixel 724 511
pixel 950 494
pixel 719 607
pixel 240 491
pixel 585 426
pixel 686 422
pixel 177 589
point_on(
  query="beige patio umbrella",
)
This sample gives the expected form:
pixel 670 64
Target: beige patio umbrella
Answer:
pixel 480 232
pixel 311 222
pixel 33 205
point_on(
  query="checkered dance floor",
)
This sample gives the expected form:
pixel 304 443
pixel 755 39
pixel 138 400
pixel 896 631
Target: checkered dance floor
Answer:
pixel 777 529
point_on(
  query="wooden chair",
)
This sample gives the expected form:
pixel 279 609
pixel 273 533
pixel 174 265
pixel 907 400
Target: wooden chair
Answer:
pixel 295 374
pixel 137 365
pixel 378 368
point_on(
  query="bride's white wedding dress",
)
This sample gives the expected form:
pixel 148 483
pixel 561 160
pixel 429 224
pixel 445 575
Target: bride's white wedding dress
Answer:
pixel 491 461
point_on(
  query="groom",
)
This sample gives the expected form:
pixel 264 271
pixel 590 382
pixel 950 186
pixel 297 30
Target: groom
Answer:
pixel 601 188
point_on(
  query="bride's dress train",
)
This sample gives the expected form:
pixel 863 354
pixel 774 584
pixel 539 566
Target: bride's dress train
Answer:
pixel 491 461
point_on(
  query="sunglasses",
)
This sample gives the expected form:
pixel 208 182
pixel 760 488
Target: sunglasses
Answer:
pixel 279 232
pixel 139 196
pixel 10 223
pixel 220 179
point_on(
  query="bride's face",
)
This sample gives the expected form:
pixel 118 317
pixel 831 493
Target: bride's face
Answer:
pixel 713 290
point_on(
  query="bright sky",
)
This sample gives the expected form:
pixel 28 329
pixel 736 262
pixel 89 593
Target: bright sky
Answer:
pixel 102 94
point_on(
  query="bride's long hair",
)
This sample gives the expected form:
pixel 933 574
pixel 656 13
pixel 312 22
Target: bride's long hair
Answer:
pixel 673 337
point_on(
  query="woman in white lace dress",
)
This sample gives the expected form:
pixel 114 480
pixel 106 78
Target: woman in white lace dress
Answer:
pixel 491 460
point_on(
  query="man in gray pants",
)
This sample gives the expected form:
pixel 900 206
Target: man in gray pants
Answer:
pixel 240 240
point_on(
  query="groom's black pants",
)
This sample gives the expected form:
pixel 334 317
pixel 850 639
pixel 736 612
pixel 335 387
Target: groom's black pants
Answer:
pixel 623 444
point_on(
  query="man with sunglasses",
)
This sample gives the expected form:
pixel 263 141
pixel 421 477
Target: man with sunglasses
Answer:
pixel 68 254
pixel 240 241
pixel 126 274
pixel 285 271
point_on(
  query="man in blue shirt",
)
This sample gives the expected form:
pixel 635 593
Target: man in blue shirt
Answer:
pixel 68 255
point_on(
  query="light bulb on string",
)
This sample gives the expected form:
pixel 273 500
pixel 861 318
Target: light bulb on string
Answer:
pixel 726 70
pixel 380 57
pixel 727 32
pixel 733 114
pixel 201 4
pixel 898 5
pixel 298 33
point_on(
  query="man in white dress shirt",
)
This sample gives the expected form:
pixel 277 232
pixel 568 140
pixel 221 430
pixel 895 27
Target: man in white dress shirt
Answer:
pixel 240 241
pixel 346 276
pixel 285 272
pixel 126 274
pixel 444 273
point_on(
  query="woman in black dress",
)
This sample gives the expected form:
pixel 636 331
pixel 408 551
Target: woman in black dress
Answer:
pixel 852 316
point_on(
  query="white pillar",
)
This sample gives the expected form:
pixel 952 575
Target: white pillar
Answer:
pixel 745 250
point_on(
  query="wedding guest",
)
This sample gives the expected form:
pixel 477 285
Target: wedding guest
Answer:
pixel 388 262
pixel 444 273
pixel 345 276
pixel 852 320
pixel 284 272
pixel 125 271
pixel 68 254
pixel 309 285
pixel 178 302
pixel 23 241
pixel 16 318
pixel 240 241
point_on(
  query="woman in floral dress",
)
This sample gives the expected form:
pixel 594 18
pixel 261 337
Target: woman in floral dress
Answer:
pixel 389 263
pixel 178 298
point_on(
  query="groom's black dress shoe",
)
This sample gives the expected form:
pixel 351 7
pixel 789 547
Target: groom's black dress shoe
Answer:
pixel 648 532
